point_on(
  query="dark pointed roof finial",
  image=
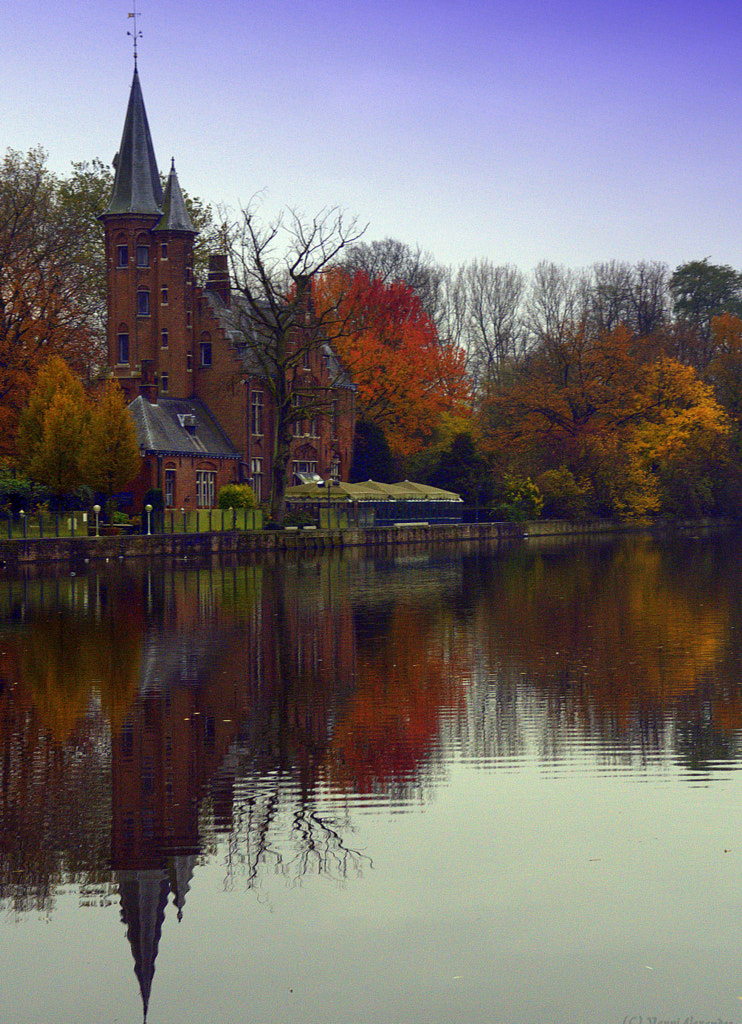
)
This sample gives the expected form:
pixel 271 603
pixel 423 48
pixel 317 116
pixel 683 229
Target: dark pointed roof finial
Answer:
pixel 135 34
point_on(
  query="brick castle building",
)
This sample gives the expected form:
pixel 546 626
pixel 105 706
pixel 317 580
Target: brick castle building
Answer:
pixel 202 408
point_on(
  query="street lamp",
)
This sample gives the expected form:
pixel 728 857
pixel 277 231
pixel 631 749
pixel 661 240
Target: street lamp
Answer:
pixel 96 509
pixel 148 510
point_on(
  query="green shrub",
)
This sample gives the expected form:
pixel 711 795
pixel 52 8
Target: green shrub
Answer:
pixel 299 518
pixel 521 499
pixel 18 492
pixel 564 497
pixel 236 496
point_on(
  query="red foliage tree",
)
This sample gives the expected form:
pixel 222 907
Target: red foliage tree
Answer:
pixel 406 377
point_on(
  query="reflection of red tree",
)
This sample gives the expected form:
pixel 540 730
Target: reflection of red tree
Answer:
pixel 388 730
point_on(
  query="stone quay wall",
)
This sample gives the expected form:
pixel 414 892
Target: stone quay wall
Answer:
pixel 73 553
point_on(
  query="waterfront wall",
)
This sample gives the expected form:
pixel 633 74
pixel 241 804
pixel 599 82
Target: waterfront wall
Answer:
pixel 75 553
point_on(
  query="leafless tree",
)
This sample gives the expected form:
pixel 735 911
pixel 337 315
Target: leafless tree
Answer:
pixel 636 296
pixel 554 303
pixel 273 267
pixel 389 260
pixel 494 332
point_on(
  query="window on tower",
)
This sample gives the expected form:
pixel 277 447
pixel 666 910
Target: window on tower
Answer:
pixel 123 347
pixel 164 338
pixel 143 302
pixel 163 251
pixel 143 256
pixel 206 353
pixel 122 256
pixel 163 293
pixel 164 381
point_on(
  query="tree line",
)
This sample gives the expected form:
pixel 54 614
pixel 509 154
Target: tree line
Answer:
pixel 614 390
pixel 608 391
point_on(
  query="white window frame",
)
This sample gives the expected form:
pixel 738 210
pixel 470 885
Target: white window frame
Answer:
pixel 205 488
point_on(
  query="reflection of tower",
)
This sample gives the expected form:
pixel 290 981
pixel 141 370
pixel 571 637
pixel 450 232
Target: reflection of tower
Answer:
pixel 144 896
pixel 171 744
pixel 143 899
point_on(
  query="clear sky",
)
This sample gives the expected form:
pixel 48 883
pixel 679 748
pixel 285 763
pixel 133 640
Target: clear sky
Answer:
pixel 516 130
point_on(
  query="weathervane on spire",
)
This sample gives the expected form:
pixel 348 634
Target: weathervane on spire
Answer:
pixel 135 34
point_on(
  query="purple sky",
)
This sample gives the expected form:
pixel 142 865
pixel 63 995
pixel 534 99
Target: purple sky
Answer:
pixel 516 131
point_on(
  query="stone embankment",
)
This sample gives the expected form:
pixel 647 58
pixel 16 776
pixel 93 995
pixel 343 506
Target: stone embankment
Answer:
pixel 74 553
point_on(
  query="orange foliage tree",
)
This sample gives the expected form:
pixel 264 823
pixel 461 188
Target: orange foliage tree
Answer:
pixel 407 379
pixel 725 370
pixel 628 426
pixel 43 304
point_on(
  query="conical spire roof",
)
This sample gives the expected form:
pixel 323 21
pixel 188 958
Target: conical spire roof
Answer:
pixel 144 896
pixel 175 216
pixel 136 187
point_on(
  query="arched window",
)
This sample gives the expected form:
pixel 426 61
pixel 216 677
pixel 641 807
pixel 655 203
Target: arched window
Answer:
pixel 170 485
pixel 142 252
pixel 143 302
pixel 122 250
pixel 122 338
pixel 205 349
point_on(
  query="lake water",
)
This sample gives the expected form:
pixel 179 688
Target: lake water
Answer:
pixel 442 788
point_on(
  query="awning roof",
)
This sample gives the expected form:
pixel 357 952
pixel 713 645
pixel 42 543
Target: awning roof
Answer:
pixel 371 490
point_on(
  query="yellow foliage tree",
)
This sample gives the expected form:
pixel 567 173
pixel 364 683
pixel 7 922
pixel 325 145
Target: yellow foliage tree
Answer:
pixel 52 427
pixel 110 455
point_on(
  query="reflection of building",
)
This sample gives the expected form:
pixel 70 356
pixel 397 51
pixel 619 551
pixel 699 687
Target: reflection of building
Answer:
pixel 203 409
pixel 218 700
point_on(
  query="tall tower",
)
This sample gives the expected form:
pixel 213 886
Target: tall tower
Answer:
pixel 173 266
pixel 149 259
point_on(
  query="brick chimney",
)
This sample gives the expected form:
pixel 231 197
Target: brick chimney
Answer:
pixel 304 292
pixel 218 279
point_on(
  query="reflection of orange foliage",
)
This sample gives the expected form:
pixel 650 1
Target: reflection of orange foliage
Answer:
pixel 611 637
pixel 61 662
pixel 389 728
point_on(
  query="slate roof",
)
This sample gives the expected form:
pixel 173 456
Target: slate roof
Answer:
pixel 163 427
pixel 136 186
pixel 175 216
pixel 235 322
